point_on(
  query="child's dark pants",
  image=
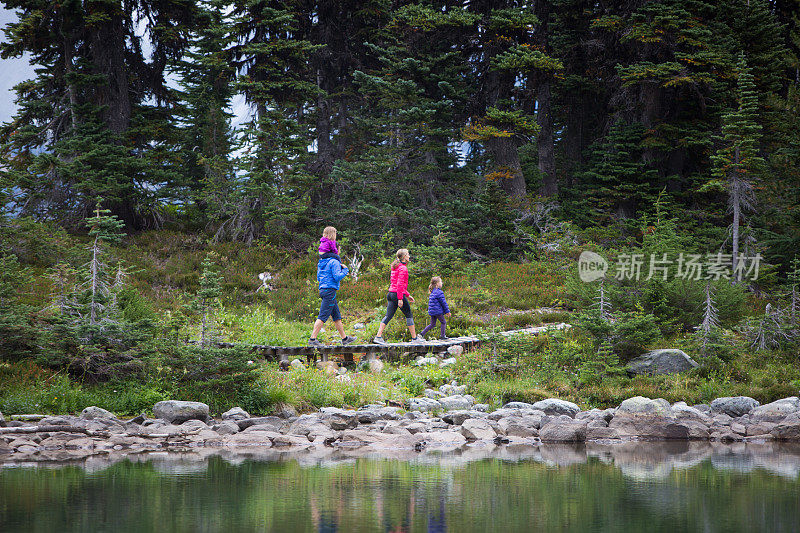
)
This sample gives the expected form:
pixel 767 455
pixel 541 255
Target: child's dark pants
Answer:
pixel 443 322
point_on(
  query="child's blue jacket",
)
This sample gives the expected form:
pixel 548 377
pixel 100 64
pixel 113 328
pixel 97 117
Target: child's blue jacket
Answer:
pixel 437 305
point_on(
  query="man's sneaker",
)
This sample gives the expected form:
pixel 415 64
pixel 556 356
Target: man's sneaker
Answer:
pixel 379 340
pixel 445 338
pixel 348 340
pixel 315 343
pixel 419 339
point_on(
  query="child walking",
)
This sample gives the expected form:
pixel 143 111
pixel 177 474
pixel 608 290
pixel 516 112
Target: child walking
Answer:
pixel 330 273
pixel 437 307
pixel 399 296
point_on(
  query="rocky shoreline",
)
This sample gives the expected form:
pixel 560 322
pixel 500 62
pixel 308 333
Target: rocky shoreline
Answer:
pixel 181 425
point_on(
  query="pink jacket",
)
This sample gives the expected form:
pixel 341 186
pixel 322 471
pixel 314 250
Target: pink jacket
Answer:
pixel 399 281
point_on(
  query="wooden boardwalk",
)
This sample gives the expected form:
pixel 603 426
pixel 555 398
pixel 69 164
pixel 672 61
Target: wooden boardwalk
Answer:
pixel 388 351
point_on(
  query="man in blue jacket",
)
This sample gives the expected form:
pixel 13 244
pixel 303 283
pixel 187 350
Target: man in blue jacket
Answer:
pixel 329 273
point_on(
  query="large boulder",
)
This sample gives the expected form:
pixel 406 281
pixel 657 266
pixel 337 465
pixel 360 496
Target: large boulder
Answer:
pixel 477 429
pixel 639 405
pixel 369 414
pixel 734 406
pixel 563 429
pixel 236 413
pixel 520 426
pixel 455 403
pixel 457 418
pixel 93 412
pixel 276 423
pixel 644 426
pixel 666 361
pixel 775 411
pixel 178 412
pixel 788 429
pixel 339 419
pixel 556 407
pixel 518 405
pixel 423 404
pixel 685 412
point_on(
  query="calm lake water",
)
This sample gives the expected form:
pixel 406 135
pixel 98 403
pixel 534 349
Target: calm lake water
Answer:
pixel 652 487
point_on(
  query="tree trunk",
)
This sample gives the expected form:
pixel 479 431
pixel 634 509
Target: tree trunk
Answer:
pixel 547 161
pixel 506 158
pixel 325 148
pixel 108 51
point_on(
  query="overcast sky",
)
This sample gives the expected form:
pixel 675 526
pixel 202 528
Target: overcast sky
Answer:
pixel 12 71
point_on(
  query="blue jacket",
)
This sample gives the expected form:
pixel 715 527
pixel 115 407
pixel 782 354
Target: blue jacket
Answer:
pixel 330 272
pixel 437 305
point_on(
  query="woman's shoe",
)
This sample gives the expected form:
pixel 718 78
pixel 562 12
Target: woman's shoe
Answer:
pixel 379 340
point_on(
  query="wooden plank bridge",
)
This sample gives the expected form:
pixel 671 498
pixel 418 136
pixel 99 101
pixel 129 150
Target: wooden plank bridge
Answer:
pixel 370 351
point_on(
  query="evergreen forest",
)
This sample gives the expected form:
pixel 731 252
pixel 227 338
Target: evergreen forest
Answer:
pixel 166 152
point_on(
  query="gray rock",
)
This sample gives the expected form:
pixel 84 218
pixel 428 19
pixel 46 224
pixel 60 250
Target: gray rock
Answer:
pixel 90 413
pixel 519 405
pixel 734 406
pixel 455 350
pixel 450 361
pixel 433 394
pixel 788 429
pixel 639 405
pixel 554 406
pixel 298 364
pixel 276 423
pixel 358 326
pixel 2 420
pixel 424 404
pixel 310 426
pixel 236 413
pixel 477 429
pixel 759 428
pixel 457 418
pixel 684 412
pixel 775 411
pixel 665 361
pixel 177 412
pixel 519 426
pixel 650 426
pixel 58 421
pixel 600 433
pixel 339 419
pixel 228 427
pixel 371 414
pixel 563 430
pixel 456 402
pixel 596 414
pixel 427 361
pixel 482 407
pixel 376 366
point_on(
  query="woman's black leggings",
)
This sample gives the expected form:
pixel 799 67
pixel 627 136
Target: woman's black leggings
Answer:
pixel 391 309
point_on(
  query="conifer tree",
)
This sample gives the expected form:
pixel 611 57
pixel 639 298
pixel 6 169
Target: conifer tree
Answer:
pixel 104 229
pixel 207 298
pixel 737 162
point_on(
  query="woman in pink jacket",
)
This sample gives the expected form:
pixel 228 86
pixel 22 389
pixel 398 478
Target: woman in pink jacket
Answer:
pixel 399 297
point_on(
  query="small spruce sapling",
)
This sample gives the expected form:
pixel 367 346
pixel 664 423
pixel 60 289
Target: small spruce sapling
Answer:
pixel 104 229
pixel 207 298
pixel 708 328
